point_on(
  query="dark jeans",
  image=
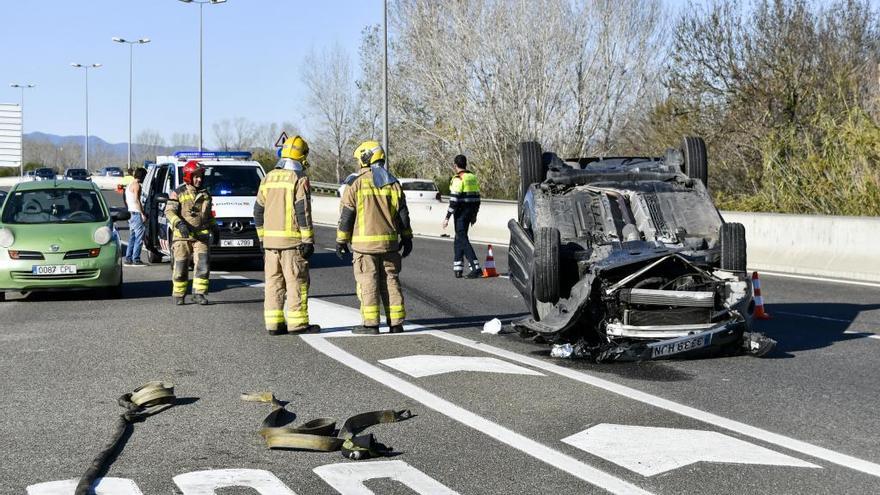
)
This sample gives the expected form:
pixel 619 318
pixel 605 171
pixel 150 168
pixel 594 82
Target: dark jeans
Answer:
pixel 462 244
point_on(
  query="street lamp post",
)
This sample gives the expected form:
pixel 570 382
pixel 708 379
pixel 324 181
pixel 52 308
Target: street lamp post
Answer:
pixel 86 69
pixel 385 78
pixel 201 72
pixel 21 106
pixel 130 83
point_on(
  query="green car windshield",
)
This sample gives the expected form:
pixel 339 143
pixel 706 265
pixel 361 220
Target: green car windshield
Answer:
pixel 44 206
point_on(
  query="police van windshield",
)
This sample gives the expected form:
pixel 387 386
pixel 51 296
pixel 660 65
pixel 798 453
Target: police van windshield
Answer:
pixel 230 180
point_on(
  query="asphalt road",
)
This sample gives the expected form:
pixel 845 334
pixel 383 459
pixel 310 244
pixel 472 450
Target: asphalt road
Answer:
pixel 802 420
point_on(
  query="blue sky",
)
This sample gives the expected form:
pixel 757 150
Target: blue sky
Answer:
pixel 252 50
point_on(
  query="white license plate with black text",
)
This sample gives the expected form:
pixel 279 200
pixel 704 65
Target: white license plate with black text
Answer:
pixel 236 243
pixel 53 270
pixel 680 345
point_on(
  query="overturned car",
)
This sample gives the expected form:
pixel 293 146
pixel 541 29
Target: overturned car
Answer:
pixel 627 258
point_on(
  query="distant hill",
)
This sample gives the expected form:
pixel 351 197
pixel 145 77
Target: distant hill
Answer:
pixel 95 142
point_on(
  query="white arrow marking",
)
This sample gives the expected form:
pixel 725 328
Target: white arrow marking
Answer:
pixel 650 450
pixel 427 365
pixel 104 486
pixel 348 478
pixel 207 482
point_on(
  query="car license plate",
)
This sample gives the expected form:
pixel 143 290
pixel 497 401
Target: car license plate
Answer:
pixel 236 243
pixel 680 345
pixel 53 270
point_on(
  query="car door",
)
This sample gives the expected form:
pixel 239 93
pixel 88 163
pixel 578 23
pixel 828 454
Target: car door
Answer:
pixel 154 206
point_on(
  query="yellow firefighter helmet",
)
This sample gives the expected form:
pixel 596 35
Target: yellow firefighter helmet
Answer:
pixel 368 153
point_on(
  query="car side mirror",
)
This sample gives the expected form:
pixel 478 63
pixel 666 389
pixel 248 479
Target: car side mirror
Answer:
pixel 119 214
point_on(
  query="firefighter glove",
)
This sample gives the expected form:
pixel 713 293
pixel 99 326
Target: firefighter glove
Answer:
pixel 342 249
pixel 183 228
pixel 307 249
pixel 406 245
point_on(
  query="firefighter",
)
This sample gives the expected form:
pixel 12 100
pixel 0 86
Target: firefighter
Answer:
pixel 374 219
pixel 464 204
pixel 283 217
pixel 189 213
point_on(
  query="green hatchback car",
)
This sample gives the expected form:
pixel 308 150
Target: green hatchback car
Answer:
pixel 59 235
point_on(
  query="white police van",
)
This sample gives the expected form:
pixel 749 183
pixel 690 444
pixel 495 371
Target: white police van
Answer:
pixel 232 179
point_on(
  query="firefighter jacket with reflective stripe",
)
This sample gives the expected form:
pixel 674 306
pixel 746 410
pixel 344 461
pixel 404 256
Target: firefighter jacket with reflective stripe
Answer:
pixel 464 194
pixel 283 210
pixel 372 218
pixel 193 206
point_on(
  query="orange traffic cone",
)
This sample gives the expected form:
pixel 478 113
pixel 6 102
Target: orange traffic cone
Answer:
pixel 489 267
pixel 759 300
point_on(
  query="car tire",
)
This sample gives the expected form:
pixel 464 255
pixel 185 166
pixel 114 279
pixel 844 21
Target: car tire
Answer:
pixel 545 269
pixel 695 165
pixel 733 247
pixel 531 167
pixel 2 296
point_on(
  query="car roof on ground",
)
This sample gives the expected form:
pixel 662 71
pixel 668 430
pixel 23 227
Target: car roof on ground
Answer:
pixel 57 184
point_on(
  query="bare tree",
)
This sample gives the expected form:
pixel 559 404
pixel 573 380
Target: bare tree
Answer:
pixel 184 140
pixel 149 144
pixel 331 88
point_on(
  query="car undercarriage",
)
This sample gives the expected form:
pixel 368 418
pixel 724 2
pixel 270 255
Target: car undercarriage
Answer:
pixel 627 258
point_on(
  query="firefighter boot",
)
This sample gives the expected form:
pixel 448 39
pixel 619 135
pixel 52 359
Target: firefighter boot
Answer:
pixel 200 299
pixel 396 329
pixel 178 300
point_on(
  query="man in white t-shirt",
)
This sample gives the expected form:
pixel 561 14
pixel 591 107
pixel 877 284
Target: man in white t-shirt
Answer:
pixel 137 222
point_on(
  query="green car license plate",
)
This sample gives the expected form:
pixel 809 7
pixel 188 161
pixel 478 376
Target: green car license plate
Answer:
pixel 53 270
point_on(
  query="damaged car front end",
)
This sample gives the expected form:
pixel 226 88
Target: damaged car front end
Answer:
pixel 627 258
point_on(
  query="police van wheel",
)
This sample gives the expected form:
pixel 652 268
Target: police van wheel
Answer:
pixel 152 256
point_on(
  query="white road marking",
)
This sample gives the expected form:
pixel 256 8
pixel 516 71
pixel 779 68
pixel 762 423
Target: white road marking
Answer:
pixel 206 482
pixel 348 478
pixel 218 272
pixel 687 411
pixel 105 486
pixel 247 282
pixel 427 365
pixel 524 444
pixel 344 316
pixel 234 277
pixel 826 318
pixel 820 279
pixel 650 450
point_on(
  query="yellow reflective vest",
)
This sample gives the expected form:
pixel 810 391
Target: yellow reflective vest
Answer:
pixel 464 193
pixel 373 219
pixel 283 210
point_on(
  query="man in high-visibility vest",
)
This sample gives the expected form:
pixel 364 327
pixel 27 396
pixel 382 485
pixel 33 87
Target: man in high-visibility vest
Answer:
pixel 283 217
pixel 464 204
pixel 190 214
pixel 374 219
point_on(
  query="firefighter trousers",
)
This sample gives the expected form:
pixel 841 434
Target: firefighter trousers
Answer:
pixel 378 281
pixel 287 275
pixel 185 252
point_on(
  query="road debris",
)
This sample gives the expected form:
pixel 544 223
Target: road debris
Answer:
pixel 321 435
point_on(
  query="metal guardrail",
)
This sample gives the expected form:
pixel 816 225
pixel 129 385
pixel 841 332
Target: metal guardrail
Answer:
pixel 325 188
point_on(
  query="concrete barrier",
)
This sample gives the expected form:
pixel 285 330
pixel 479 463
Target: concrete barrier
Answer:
pixel 830 246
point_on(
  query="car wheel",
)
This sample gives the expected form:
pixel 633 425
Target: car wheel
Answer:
pixel 2 296
pixel 531 167
pixel 695 164
pixel 545 271
pixel 733 247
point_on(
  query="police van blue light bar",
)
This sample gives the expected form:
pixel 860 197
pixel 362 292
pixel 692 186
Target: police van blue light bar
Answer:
pixel 209 155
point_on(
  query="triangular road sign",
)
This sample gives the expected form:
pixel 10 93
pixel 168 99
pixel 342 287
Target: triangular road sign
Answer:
pixel 280 142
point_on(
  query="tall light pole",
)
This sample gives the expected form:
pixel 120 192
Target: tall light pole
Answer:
pixel 201 71
pixel 130 83
pixel 21 106
pixel 86 69
pixel 385 78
